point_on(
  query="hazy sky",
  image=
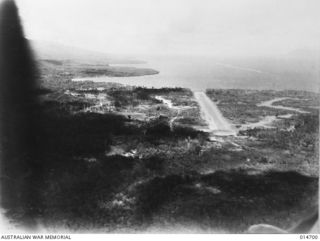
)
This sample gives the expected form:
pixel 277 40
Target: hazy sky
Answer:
pixel 214 27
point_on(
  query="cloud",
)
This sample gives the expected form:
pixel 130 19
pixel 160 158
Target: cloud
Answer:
pixel 176 26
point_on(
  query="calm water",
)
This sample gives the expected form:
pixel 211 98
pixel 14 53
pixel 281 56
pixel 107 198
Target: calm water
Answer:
pixel 203 73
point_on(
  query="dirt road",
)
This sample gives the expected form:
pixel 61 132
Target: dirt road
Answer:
pixel 269 103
